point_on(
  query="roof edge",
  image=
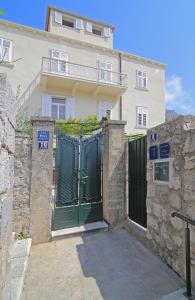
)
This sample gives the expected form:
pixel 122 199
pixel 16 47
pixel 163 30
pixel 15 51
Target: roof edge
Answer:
pixel 51 7
pixel 55 36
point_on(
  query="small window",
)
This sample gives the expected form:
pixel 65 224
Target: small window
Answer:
pixel 142 117
pixel 96 30
pixel 105 109
pixel 67 22
pixel 58 108
pixel 5 50
pixel 141 80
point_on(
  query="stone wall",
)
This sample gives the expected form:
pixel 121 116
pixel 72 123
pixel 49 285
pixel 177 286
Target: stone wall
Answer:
pixel 7 148
pixel 22 175
pixel 114 173
pixel 166 234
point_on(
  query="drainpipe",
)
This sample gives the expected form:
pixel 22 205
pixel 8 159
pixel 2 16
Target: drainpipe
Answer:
pixel 120 101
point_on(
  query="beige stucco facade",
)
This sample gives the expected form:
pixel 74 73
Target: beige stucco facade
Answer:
pixel 30 78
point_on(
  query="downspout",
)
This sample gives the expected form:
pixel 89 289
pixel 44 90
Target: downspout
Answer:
pixel 120 101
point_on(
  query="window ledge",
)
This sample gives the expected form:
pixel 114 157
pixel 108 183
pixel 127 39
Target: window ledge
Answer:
pixel 141 89
pixel 141 127
pixel 7 64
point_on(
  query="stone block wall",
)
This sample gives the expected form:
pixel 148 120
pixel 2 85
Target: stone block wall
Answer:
pixel 7 148
pixel 166 234
pixel 22 176
pixel 114 173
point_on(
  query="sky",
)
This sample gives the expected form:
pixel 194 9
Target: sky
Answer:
pixel 163 30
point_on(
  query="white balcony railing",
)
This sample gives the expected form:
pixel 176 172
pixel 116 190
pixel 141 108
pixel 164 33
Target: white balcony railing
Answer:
pixel 82 72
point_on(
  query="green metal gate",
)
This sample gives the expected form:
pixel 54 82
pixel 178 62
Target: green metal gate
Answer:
pixel 78 181
pixel 137 180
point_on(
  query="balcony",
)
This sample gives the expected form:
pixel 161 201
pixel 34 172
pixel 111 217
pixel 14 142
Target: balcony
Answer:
pixel 59 74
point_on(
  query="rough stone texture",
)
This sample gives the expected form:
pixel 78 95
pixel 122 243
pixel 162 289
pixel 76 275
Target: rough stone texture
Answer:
pixel 22 175
pixel 7 148
pixel 114 179
pixel 166 234
pixel 41 183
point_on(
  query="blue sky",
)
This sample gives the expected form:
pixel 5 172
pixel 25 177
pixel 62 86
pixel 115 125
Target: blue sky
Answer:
pixel 163 30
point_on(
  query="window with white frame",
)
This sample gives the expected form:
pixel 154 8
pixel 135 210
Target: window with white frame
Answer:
pixel 105 109
pixel 105 72
pixel 5 50
pixel 59 62
pixel 141 80
pixel 142 116
pixel 58 108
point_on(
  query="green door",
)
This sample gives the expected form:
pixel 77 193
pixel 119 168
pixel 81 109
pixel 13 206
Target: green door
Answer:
pixel 78 181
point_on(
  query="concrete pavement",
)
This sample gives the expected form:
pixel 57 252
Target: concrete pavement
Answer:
pixel 105 265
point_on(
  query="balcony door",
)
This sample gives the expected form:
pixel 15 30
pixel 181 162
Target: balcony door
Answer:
pixel 58 62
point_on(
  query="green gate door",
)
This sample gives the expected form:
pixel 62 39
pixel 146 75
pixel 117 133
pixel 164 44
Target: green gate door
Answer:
pixel 78 181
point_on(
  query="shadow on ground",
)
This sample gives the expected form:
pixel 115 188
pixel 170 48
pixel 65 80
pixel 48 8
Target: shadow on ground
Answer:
pixel 106 265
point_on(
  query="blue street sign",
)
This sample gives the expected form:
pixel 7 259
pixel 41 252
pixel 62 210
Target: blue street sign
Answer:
pixel 153 137
pixel 43 145
pixel 164 150
pixel 153 152
pixel 43 136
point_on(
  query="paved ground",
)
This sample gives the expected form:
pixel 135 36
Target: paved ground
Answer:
pixel 105 265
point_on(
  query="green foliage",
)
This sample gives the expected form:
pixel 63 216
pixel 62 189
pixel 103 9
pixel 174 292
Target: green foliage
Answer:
pixel 132 137
pixel 77 127
pixel 22 236
pixel 25 129
pixel 1 12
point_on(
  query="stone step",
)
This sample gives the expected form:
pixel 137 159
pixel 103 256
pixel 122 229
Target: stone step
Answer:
pixel 19 259
pixel 68 232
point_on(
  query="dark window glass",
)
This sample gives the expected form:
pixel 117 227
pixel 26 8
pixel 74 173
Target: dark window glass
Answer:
pixel 68 23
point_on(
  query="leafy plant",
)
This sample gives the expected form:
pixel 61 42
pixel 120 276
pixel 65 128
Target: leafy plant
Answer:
pixel 22 236
pixel 77 127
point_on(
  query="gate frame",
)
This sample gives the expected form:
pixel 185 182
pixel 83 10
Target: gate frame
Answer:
pixel 114 179
pixel 81 142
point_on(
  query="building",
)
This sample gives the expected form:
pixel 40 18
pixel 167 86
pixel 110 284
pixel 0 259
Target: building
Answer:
pixel 71 70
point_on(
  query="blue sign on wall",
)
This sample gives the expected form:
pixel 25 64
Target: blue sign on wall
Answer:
pixel 43 145
pixel 43 136
pixel 164 150
pixel 153 137
pixel 153 152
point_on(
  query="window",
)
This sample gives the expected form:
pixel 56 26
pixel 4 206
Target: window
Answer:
pixel 96 30
pixel 68 23
pixel 59 62
pixel 142 116
pixel 105 109
pixel 105 72
pixel 141 80
pixel 5 50
pixel 58 108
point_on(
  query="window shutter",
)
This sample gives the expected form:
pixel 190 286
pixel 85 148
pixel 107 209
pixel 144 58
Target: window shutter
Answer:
pixel 55 54
pixel 79 23
pixel 58 17
pixel 70 108
pixel 89 26
pixel 46 105
pixel 107 32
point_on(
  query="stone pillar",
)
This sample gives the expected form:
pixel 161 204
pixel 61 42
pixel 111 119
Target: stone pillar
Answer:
pixel 41 182
pixel 114 172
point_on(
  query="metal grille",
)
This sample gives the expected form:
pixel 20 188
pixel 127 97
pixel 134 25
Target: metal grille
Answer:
pixel 137 181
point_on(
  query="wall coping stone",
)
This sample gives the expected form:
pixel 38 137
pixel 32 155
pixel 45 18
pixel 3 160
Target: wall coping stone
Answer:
pixel 42 119
pixel 115 122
